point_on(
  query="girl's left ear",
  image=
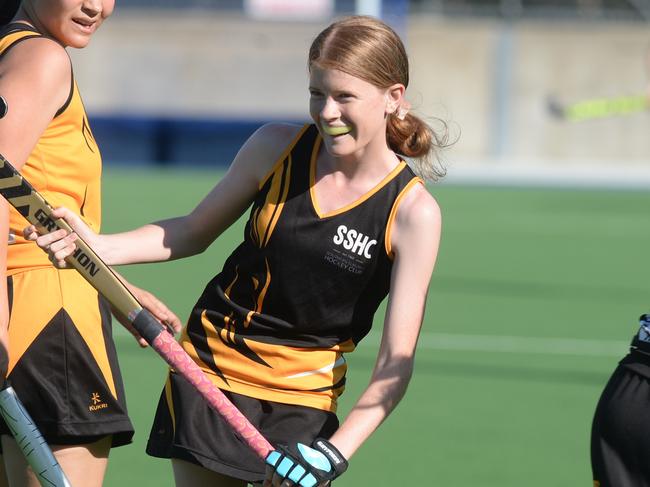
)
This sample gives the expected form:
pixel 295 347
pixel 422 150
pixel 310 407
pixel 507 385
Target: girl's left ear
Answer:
pixel 394 96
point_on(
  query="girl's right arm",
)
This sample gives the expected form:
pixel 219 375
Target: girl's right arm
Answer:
pixel 187 235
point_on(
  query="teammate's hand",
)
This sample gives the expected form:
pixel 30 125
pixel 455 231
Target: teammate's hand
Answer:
pixel 156 307
pixel 59 244
pixel 305 466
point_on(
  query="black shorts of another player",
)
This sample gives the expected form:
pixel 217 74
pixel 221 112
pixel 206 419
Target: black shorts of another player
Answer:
pixel 186 428
pixel 620 435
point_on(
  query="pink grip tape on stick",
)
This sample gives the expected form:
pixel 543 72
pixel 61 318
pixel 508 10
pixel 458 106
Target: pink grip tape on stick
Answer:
pixel 168 348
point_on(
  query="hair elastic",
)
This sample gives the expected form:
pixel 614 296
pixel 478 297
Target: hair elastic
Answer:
pixel 3 107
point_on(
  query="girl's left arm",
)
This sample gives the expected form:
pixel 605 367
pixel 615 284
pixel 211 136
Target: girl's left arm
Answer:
pixel 414 241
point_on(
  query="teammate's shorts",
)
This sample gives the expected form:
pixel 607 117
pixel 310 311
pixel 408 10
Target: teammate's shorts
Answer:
pixel 62 360
pixel 620 436
pixel 186 428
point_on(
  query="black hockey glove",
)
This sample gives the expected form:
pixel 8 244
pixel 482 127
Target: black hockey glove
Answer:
pixel 308 466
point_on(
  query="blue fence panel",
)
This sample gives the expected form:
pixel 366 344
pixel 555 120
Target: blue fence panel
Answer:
pixel 167 141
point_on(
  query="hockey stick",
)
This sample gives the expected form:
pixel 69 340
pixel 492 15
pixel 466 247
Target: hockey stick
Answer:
pixel 30 441
pixel 22 427
pixel 29 203
pixel 597 108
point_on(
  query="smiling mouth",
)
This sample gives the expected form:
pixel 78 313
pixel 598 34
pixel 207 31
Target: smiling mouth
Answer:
pixel 84 24
pixel 339 130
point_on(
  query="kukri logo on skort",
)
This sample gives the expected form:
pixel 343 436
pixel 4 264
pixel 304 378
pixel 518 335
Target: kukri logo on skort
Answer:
pixel 354 241
pixel 97 403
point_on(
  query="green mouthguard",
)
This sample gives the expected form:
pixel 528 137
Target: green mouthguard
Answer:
pixel 337 130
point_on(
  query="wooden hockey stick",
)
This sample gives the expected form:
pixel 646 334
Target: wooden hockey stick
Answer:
pixel 29 203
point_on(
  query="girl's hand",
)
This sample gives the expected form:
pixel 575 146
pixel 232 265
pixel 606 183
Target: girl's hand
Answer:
pixel 305 466
pixel 156 307
pixel 59 244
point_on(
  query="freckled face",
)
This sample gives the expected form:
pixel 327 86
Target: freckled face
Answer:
pixel 71 22
pixel 350 113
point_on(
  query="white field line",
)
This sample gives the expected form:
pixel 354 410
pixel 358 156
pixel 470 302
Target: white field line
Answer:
pixel 495 344
pixel 515 344
pixel 560 174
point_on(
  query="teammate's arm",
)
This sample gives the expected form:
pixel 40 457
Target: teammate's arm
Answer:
pixel 415 239
pixel 187 235
pixel 35 80
pixel 35 77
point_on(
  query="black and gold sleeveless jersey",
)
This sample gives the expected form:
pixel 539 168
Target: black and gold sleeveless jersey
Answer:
pixel 64 166
pixel 302 288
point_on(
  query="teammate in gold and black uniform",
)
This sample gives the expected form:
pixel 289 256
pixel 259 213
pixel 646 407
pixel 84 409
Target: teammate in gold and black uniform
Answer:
pixel 62 360
pixel 338 221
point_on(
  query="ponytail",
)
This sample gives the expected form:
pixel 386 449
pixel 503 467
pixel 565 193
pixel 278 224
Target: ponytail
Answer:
pixel 8 9
pixel 413 138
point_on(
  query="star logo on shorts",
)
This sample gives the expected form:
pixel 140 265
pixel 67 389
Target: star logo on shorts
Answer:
pixel 97 403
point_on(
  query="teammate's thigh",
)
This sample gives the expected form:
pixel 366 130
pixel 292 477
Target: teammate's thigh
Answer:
pixel 3 473
pixel 187 474
pixel 82 464
pixel 620 435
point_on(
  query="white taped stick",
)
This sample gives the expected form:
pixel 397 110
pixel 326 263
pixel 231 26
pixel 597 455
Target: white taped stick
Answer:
pixel 30 441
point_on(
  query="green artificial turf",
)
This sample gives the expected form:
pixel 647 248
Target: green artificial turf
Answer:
pixel 534 297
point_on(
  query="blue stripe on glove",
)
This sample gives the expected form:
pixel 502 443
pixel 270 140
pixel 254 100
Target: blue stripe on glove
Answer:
pixel 306 466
